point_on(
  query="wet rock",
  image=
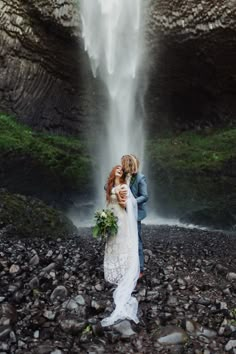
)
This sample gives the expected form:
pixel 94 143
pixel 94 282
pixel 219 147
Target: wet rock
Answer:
pixel 152 295
pixel 230 345
pixel 59 293
pixel 4 347
pixel 192 327
pixel 18 297
pixel 8 314
pixel 72 325
pixel 50 315
pixel 49 254
pixel 223 305
pixel 34 260
pixel 124 328
pixel 142 292
pixel 80 300
pixel 70 305
pixel 13 337
pixel 221 269
pixel 99 287
pixel 4 331
pixel 231 276
pixel 48 269
pixel 36 334
pixel 97 305
pixel 14 269
pixel 227 291
pixel 96 349
pixel 56 351
pixel 97 329
pixel 204 301
pixel 21 344
pixel 172 301
pixel 182 283
pixel 172 335
pixel 34 283
pixel 206 332
pixel 44 349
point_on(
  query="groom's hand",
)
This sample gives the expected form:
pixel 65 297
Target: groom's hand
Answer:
pixel 122 204
pixel 121 194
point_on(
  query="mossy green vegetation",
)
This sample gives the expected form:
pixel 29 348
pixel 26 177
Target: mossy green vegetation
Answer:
pixel 26 217
pixel 187 172
pixel 62 156
pixel 193 170
pixel 194 151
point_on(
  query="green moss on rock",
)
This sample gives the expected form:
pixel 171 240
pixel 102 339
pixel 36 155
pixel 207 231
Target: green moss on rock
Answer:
pixel 27 217
pixel 61 164
pixel 192 151
pixel 193 171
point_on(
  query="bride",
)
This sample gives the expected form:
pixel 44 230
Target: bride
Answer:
pixel 121 260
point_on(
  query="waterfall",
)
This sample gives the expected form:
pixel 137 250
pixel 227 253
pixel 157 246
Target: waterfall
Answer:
pixel 113 39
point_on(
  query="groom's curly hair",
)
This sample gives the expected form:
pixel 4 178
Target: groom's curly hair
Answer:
pixel 130 164
pixel 111 182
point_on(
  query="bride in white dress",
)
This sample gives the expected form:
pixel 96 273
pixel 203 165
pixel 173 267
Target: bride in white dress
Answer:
pixel 121 260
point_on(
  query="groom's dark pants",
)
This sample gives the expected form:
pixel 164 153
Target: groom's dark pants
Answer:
pixel 140 247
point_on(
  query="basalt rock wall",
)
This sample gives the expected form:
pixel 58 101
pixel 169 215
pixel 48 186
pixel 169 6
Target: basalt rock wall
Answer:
pixel 192 76
pixel 46 81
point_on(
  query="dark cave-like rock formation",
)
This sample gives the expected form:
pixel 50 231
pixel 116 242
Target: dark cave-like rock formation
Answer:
pixel 46 81
pixel 43 68
pixel 192 71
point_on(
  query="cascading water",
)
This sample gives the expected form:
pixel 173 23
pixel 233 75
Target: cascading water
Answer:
pixel 112 32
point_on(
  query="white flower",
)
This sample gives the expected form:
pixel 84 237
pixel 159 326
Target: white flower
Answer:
pixel 103 214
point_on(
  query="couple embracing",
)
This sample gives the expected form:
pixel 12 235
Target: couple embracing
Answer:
pixel 126 195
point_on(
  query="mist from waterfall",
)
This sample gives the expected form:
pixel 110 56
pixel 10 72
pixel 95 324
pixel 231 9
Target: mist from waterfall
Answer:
pixel 113 38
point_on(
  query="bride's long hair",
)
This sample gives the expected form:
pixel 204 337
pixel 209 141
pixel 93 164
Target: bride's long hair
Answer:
pixel 111 182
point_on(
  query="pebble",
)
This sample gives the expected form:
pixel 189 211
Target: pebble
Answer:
pixel 230 345
pixel 50 315
pixel 34 260
pixel 231 276
pixel 60 292
pixel 14 269
pixel 70 305
pixel 34 283
pixel 124 328
pixel 172 335
pixel 80 300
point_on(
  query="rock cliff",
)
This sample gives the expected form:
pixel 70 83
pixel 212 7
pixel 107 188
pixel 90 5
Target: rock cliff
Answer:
pixel 45 79
pixel 192 72
pixel 42 79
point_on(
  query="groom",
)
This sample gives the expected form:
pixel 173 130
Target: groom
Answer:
pixel 138 186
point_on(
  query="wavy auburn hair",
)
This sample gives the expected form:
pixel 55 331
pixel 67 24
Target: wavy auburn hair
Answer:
pixel 111 182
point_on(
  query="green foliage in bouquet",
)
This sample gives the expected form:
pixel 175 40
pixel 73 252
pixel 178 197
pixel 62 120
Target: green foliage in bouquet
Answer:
pixel 106 224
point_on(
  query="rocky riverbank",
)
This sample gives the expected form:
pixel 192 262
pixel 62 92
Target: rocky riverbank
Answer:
pixel 53 295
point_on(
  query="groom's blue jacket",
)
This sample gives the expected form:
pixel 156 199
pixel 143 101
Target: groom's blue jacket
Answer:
pixel 138 186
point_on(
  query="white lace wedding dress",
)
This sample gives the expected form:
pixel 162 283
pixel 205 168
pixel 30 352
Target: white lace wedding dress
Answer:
pixel 121 260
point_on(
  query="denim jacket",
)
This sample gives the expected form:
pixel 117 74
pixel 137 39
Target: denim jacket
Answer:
pixel 138 186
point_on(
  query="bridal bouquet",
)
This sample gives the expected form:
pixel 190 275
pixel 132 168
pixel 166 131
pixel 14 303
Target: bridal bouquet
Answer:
pixel 106 224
